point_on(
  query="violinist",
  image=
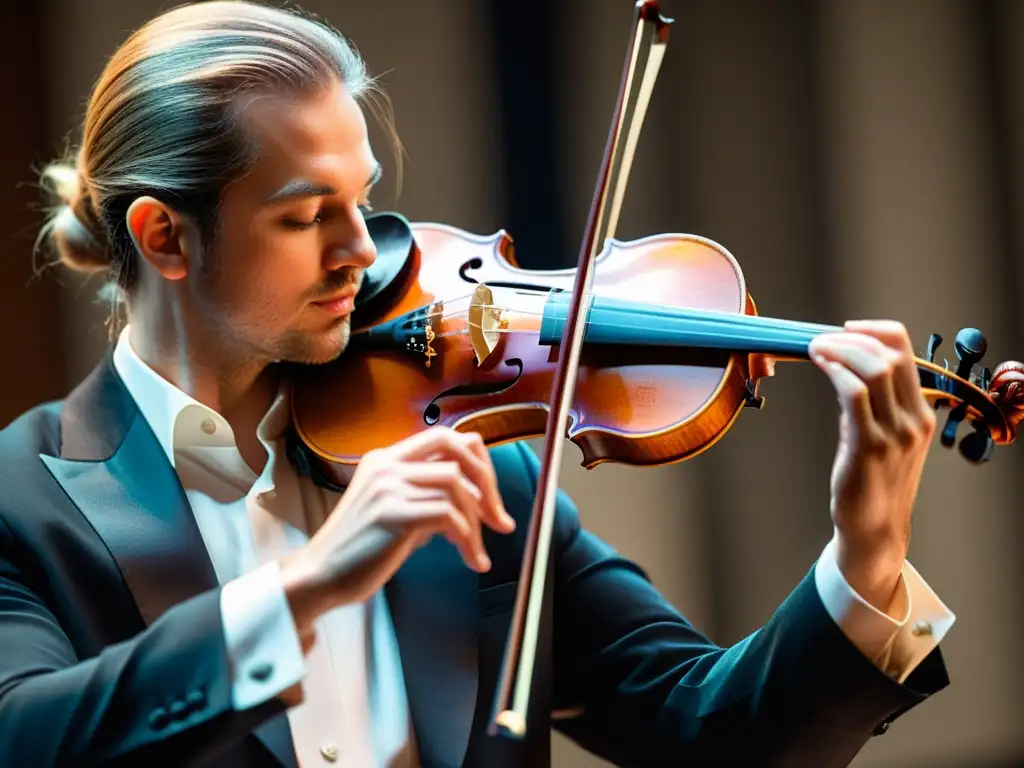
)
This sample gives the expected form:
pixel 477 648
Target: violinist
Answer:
pixel 173 591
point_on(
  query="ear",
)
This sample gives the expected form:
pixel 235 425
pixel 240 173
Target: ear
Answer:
pixel 159 234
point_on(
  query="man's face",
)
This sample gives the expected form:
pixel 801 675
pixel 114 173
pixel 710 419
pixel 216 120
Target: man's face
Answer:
pixel 291 233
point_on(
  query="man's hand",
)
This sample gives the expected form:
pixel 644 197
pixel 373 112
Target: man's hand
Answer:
pixel 885 429
pixel 437 482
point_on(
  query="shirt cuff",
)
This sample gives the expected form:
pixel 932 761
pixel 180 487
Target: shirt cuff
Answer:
pixel 262 640
pixel 895 646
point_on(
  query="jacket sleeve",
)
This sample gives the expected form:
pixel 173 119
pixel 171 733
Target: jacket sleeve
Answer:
pixel 649 689
pixel 164 695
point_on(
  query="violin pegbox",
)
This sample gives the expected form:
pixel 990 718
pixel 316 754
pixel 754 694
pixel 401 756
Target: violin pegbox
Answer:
pixel 1002 390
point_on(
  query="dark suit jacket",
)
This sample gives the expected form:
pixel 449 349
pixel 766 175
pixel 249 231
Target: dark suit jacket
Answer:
pixel 111 650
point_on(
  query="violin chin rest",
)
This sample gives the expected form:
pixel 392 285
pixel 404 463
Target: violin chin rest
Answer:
pixel 392 235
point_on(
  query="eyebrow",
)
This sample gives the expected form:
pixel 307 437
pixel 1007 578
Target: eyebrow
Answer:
pixel 305 188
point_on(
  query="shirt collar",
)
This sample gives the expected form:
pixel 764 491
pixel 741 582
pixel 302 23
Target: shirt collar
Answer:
pixel 163 404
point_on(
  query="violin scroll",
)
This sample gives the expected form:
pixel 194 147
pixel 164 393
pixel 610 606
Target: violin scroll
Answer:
pixel 1007 392
pixel 993 402
pixel 1007 389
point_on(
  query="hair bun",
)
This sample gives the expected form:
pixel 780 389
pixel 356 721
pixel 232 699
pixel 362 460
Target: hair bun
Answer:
pixel 75 228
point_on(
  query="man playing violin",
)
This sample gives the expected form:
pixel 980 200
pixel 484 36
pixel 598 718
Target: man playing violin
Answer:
pixel 173 591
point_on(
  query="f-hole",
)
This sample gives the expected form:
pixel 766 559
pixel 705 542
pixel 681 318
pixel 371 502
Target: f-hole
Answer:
pixel 432 413
pixel 476 263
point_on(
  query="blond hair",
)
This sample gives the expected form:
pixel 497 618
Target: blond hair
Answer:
pixel 163 120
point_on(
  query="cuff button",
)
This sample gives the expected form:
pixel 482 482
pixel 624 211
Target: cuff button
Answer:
pixel 921 629
pixel 329 752
pixel 262 671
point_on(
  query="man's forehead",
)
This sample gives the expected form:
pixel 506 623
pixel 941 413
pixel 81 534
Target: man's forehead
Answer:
pixel 325 132
pixel 325 116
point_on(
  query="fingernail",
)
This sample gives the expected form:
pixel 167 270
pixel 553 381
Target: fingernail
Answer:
pixel 484 562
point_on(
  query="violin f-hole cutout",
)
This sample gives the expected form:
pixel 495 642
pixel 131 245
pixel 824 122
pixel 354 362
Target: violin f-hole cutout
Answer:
pixel 432 412
pixel 477 263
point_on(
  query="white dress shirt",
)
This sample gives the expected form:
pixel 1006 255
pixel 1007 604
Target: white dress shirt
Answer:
pixel 354 710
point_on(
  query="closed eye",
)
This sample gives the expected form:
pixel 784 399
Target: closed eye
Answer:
pixel 299 226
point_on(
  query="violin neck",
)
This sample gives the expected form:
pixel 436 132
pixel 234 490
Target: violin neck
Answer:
pixel 619 322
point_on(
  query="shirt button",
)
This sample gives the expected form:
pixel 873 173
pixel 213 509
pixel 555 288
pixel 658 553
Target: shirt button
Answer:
pixel 921 628
pixel 330 752
pixel 208 426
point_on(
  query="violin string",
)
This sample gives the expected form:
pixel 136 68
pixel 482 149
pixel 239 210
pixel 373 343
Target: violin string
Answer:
pixel 800 336
pixel 705 317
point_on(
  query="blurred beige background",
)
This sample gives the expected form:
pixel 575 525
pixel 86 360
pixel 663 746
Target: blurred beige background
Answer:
pixel 858 158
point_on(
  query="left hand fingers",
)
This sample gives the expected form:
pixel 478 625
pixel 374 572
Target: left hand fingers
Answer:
pixel 869 359
pixel 906 378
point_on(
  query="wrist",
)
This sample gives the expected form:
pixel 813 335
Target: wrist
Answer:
pixel 872 570
pixel 303 592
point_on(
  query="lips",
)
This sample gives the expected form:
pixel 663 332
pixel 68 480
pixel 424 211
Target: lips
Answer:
pixel 340 303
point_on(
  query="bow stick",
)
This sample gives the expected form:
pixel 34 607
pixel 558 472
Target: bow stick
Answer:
pixel 513 695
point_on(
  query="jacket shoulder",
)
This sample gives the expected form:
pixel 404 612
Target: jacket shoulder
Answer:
pixel 34 432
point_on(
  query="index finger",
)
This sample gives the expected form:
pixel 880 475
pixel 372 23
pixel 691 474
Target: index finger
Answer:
pixel 476 445
pixel 894 335
pixel 473 458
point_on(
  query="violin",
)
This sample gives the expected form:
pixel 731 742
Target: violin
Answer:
pixel 462 337
pixel 644 354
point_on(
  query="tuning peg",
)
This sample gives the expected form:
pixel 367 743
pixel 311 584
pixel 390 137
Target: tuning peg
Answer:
pixel 970 346
pixel 977 447
pixel 933 344
pixel 956 415
pixel 984 379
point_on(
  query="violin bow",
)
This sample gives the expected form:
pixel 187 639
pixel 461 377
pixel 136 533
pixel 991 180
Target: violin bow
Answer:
pixel 514 688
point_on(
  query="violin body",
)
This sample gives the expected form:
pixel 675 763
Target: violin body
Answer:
pixel 634 403
pixel 451 331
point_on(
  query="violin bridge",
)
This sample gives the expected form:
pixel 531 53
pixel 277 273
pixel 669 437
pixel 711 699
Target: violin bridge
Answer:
pixel 486 322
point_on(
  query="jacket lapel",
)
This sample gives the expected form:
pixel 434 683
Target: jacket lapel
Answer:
pixel 113 469
pixel 434 607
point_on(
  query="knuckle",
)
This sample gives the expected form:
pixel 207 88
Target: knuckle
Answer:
pixel 883 371
pixel 451 515
pixel 907 434
pixel 374 459
pixel 450 472
pixel 929 423
pixel 878 447
pixel 386 487
pixel 896 327
pixel 447 434
pixel 876 443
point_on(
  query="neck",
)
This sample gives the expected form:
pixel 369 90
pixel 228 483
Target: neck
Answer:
pixel 240 387
pixel 612 321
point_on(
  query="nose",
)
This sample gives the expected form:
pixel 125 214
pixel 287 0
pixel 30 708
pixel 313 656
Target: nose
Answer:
pixel 354 248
